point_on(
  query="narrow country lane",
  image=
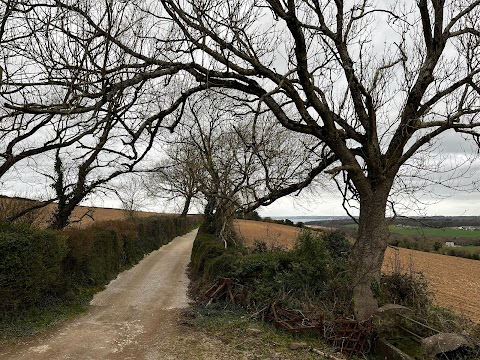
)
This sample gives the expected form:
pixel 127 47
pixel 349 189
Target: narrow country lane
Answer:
pixel 135 317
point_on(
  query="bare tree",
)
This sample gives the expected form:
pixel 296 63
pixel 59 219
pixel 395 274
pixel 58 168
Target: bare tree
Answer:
pixel 73 81
pixel 237 159
pixel 177 175
pixel 57 77
pixel 131 191
pixel 375 83
pixel 24 48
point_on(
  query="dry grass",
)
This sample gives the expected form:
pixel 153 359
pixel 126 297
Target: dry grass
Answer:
pixel 453 280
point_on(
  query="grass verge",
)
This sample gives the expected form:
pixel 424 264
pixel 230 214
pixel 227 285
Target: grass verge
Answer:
pixel 236 328
pixel 48 312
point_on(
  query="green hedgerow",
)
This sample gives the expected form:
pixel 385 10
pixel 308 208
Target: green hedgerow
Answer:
pixel 31 264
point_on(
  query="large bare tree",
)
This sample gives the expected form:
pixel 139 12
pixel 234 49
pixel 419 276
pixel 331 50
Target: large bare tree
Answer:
pixel 72 81
pixel 25 49
pixel 64 63
pixel 176 176
pixel 376 82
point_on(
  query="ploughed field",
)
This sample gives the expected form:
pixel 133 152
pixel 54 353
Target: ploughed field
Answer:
pixel 82 216
pixel 454 281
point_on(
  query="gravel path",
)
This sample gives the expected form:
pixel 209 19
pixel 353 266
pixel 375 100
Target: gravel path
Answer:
pixel 135 317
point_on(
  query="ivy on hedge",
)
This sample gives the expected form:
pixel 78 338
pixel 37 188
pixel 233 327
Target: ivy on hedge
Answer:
pixel 30 265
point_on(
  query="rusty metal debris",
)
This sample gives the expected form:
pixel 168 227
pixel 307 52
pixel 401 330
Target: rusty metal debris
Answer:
pixel 350 336
pixel 347 336
pixel 293 320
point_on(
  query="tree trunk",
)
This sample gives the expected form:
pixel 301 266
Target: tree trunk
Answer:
pixel 218 219
pixel 367 254
pixel 188 199
pixel 61 218
pixel 209 215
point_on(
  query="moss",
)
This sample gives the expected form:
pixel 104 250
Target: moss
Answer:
pixel 407 346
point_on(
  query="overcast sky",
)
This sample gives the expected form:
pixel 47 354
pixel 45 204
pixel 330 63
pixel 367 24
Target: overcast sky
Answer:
pixel 327 202
pixel 434 200
pixel 460 204
pixel 437 199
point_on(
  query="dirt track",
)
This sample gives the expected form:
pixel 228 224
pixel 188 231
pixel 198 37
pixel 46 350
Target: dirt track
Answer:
pixel 136 317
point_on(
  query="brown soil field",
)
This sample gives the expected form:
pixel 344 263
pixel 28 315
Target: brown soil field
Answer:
pixel 454 281
pixel 106 214
pixel 272 234
pixel 82 215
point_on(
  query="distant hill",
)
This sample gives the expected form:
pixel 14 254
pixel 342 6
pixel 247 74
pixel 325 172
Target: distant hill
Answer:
pixel 430 221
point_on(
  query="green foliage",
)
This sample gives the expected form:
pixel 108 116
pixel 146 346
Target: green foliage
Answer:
pixel 316 267
pixel 266 273
pixel 468 252
pixel 322 266
pixel 224 264
pixel 433 232
pixel 41 270
pixel 49 309
pixel 313 265
pixel 205 248
pixel 287 222
pixel 409 290
pixel 432 239
pixel 30 266
pixel 93 257
pixel 253 215
pixel 337 244
pixel 96 254
pixel 260 246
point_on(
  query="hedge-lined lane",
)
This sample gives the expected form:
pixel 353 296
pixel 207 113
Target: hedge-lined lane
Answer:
pixel 40 264
pixel 130 319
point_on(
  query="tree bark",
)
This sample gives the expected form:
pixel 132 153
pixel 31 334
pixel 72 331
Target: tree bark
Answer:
pixel 209 218
pixel 218 220
pixel 188 200
pixel 367 254
pixel 61 218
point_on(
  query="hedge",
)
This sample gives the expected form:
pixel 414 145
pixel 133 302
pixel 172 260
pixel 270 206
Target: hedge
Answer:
pixel 317 266
pixel 38 263
pixel 30 264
